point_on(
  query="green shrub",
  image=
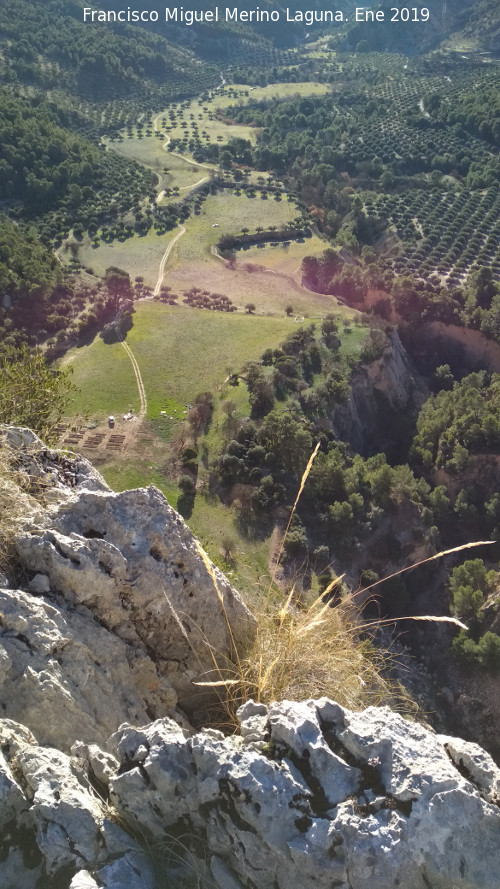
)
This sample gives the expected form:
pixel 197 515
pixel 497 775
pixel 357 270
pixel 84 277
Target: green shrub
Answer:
pixel 484 654
pixel 187 484
pixel 466 602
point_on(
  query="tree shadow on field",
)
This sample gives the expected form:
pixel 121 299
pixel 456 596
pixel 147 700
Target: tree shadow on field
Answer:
pixel 185 505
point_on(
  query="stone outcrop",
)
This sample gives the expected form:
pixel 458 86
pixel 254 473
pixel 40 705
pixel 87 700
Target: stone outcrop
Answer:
pixel 379 391
pixel 314 795
pixel 310 795
pixel 123 567
pixel 68 678
pixel 51 473
pixel 54 829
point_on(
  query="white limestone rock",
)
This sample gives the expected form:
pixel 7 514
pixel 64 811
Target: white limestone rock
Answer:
pixel 297 727
pixel 183 773
pixel 83 880
pixel 65 677
pixel 133 562
pixel 55 473
pixel 414 819
pixel 132 871
pixel 39 585
pixel 225 879
pixel 53 825
pixel 99 765
pixel 476 763
pixel 67 817
pixel 253 723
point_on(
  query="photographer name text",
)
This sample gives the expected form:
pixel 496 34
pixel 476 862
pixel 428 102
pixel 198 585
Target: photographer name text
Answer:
pixel 178 15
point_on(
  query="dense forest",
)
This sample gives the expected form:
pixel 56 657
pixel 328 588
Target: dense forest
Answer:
pixel 55 50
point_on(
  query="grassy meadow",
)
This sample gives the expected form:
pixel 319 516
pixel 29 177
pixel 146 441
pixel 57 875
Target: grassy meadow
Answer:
pixel 139 255
pixel 181 351
pixel 245 93
pixel 104 378
pixel 172 170
pixel 230 213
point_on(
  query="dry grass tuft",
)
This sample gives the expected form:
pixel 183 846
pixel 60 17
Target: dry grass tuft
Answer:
pixel 309 653
pixel 303 653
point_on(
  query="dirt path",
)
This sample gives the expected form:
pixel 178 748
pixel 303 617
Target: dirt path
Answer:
pixel 184 158
pixel 161 270
pixel 57 253
pixel 161 195
pixel 195 184
pixel 176 153
pixel 138 377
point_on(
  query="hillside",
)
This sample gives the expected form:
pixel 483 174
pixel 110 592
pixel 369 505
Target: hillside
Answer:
pixel 427 26
pixel 483 26
pixel 48 47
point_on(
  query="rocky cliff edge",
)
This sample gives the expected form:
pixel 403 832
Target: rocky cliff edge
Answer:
pixel 103 782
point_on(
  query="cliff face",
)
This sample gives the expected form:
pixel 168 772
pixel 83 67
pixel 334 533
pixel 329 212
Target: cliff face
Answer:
pixel 384 393
pixel 118 612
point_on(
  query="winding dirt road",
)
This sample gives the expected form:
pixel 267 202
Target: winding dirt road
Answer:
pixel 195 184
pixel 138 377
pixel 161 273
pixel 161 270
pixel 184 158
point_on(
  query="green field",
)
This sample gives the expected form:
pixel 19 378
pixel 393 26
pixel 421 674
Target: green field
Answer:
pixel 139 255
pixel 284 259
pixel 105 380
pixel 225 97
pixel 151 151
pixel 181 351
pixel 230 213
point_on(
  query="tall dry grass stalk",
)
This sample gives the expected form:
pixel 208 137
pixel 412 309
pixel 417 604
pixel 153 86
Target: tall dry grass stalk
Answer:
pixel 444 552
pixel 305 476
